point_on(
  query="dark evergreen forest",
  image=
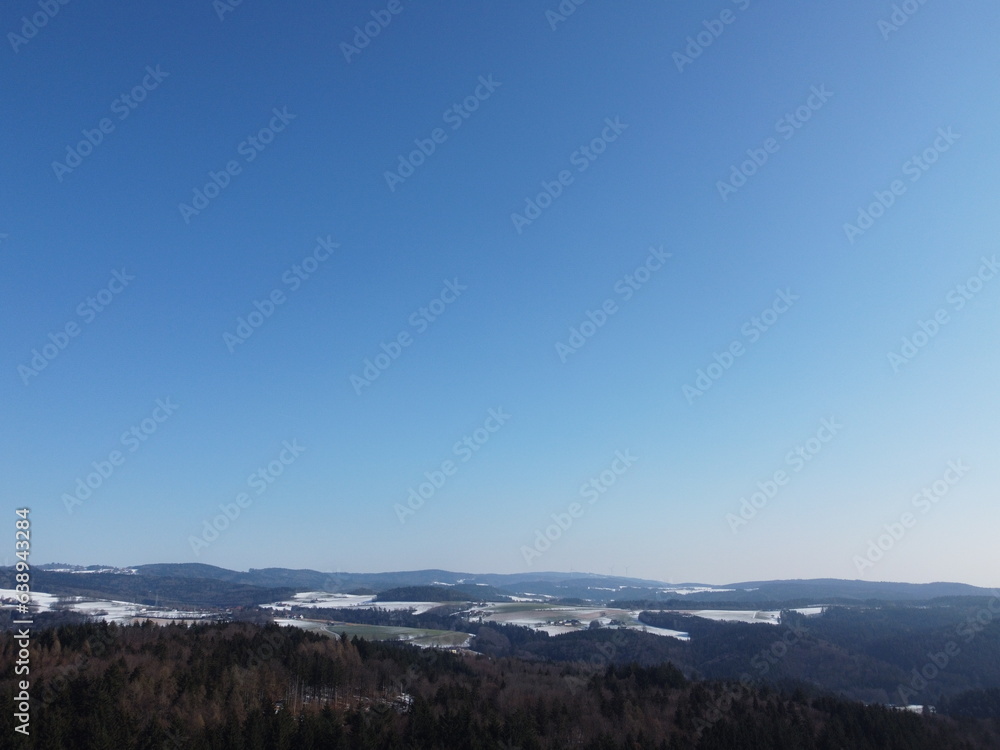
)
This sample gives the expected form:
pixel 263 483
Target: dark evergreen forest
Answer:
pixel 240 685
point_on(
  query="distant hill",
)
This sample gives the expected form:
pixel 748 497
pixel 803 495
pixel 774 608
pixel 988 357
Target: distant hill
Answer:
pixel 552 584
pixel 167 591
pixel 304 579
pixel 592 587
pixel 845 589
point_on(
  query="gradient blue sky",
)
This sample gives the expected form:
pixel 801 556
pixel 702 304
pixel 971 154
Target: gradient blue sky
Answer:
pixel 656 185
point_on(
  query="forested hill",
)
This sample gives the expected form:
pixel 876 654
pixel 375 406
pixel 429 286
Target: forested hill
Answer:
pixel 161 590
pixel 235 686
pixel 561 586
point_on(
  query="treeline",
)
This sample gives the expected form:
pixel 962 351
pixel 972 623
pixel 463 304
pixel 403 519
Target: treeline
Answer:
pixel 456 593
pixel 234 686
pixel 867 654
pixel 689 603
pixel 43 620
pixel 973 704
pixel 439 618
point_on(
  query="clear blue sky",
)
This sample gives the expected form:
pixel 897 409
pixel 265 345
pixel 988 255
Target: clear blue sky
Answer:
pixel 539 94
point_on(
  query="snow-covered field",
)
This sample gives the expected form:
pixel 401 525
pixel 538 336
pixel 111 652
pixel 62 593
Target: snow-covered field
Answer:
pixel 316 599
pixel 553 629
pixel 554 619
pixel 772 616
pixel 738 615
pixel 116 611
pixel 315 625
pixel 323 599
pixel 557 619
pixel 126 612
pixel 40 602
pixel 110 610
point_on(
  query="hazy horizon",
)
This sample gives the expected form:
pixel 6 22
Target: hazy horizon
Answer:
pixel 539 572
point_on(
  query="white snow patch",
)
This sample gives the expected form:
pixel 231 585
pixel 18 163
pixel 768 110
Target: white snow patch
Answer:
pixel 323 599
pixel 316 599
pixel 735 615
pixel 43 602
pixel 660 631
pixel 810 611
pixel 557 629
pixel 418 607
